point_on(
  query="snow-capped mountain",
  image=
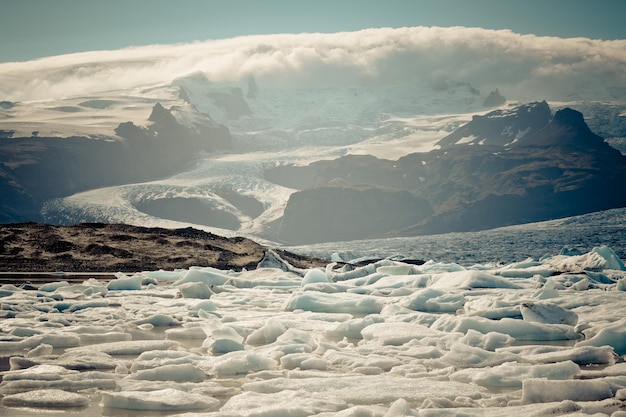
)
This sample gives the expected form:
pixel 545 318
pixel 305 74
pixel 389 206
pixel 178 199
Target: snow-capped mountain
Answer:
pixel 506 167
pixel 220 155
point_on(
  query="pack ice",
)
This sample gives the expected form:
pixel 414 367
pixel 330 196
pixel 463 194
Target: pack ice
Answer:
pixel 533 338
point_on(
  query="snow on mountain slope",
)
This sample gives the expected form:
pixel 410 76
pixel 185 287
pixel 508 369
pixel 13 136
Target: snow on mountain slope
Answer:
pixel 273 126
pixel 269 126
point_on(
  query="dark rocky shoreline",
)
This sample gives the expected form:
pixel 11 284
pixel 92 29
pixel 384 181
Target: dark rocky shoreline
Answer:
pixel 98 247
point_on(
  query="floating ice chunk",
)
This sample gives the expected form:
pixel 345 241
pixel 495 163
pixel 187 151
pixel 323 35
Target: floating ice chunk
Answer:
pixel 288 403
pixel 132 347
pixel 313 276
pixel 334 303
pixel 125 283
pixel 582 355
pixel 209 276
pixel 67 382
pixel 53 286
pixel 511 272
pixel 354 360
pixel 562 408
pixel 519 329
pixel 106 337
pixel 612 260
pixel 549 290
pixel 331 288
pixel 161 400
pixel 7 290
pixel 41 350
pixel 304 361
pixel 602 408
pixel 440 267
pixel 158 358
pixel 463 356
pixel 90 287
pixel 433 300
pixel 238 363
pixel 469 280
pixel 512 374
pixel 352 328
pixel 612 335
pixel 195 290
pixel 401 408
pixel 221 339
pixel 536 390
pixel 367 389
pixel 402 281
pixel 227 332
pixel 218 346
pixel 294 335
pixel 86 360
pixel 618 369
pixel 268 333
pixel 395 269
pixel 165 275
pixel 24 332
pixel 55 340
pixel 45 398
pixel 598 259
pixel 160 320
pixel 396 334
pixel 189 332
pixel 74 307
pixel 178 373
pixel 206 305
pixel 490 341
pixel 335 257
pixel 547 313
pixel 38 372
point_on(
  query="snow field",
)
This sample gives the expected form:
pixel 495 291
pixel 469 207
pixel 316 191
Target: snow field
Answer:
pixel 387 339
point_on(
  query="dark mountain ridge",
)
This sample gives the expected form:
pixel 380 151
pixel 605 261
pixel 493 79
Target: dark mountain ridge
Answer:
pixel 35 169
pixel 504 168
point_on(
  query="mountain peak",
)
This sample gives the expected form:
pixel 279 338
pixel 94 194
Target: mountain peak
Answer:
pixel 567 128
pixel 501 127
pixel 161 115
pixel 570 117
pixel 494 99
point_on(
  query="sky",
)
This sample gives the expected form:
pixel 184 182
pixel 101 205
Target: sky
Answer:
pixel 530 50
pixel 31 29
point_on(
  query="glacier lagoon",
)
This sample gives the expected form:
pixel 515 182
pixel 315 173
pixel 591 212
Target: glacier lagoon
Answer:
pixel 390 338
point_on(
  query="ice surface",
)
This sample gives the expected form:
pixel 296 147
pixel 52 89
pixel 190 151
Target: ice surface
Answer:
pixel 613 335
pixel 386 339
pixel 541 390
pixel 45 398
pixel 160 400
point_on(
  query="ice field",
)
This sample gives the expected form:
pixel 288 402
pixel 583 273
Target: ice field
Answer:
pixel 531 338
pixel 490 325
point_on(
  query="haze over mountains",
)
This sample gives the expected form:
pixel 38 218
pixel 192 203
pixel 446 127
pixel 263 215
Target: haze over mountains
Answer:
pixel 319 137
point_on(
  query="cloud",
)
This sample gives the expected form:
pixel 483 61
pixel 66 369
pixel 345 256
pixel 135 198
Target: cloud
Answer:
pixel 521 66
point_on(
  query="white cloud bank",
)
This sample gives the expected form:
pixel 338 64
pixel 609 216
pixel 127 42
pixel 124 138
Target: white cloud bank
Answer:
pixel 522 66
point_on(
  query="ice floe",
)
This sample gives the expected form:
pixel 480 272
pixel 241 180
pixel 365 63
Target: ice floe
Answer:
pixel 538 337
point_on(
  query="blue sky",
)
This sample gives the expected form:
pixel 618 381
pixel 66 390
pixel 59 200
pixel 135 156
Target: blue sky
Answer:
pixel 32 29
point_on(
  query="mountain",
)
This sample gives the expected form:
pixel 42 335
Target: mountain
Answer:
pixel 39 168
pixel 506 167
pixel 235 158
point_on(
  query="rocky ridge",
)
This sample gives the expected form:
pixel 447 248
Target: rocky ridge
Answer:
pixel 507 167
pixel 97 247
